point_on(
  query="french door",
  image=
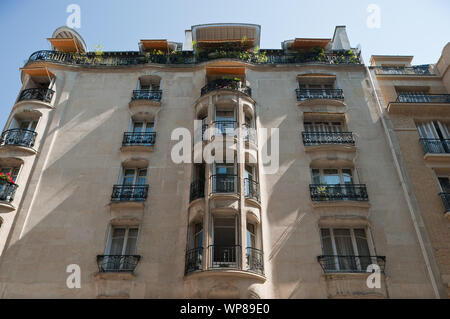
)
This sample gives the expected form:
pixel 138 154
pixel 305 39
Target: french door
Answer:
pixel 121 249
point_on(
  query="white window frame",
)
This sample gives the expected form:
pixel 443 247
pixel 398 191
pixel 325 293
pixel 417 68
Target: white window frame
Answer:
pixel 136 174
pixel 125 240
pixel 341 176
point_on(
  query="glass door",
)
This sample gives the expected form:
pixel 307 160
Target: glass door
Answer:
pixel 224 249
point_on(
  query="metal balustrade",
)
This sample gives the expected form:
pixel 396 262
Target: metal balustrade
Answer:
pixel 249 134
pixel 117 263
pixel 18 137
pixel 39 94
pixel 306 94
pixel 225 128
pixel 411 70
pixel 7 191
pixel 224 183
pixel 193 260
pixel 143 139
pixel 435 145
pixel 197 190
pixel 129 193
pixel 350 263
pixel 422 98
pixel 255 260
pixel 317 138
pixel 251 189
pixel 154 95
pixel 225 256
pixel 332 192
pixel 445 200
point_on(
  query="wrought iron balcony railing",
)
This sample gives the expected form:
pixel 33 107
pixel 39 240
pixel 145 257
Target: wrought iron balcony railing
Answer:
pixel 331 192
pixel 7 191
pixel 197 190
pixel 317 138
pixel 435 145
pixel 306 94
pixel 223 84
pixel 410 70
pixel 39 94
pixel 251 189
pixel 350 264
pixel 225 128
pixel 117 263
pixel 422 98
pixel 224 183
pixel 124 58
pixel 225 256
pixel 249 134
pixel 129 193
pixel 139 139
pixel 193 261
pixel 18 137
pixel 445 200
pixel 255 260
pixel 154 95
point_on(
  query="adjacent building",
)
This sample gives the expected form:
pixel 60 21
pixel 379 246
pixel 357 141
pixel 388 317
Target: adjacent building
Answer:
pixel 90 148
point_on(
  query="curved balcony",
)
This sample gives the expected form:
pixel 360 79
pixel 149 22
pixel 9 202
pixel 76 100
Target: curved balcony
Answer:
pixel 321 94
pixel 338 192
pixel 225 256
pixel 129 193
pixel 255 260
pixel 350 263
pixel 251 189
pixel 37 94
pixel 18 137
pixel 117 263
pixel 321 138
pixel 193 260
pixel 7 191
pixel 224 183
pixel 224 84
pixel 197 190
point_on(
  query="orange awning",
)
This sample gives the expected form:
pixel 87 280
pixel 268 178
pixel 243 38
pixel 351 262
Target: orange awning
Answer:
pixel 155 45
pixel 64 44
pixel 225 70
pixel 38 72
pixel 304 43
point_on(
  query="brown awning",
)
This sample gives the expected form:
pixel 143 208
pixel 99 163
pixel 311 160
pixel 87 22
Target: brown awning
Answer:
pixel 155 45
pixel 305 43
pixel 64 44
pixel 39 71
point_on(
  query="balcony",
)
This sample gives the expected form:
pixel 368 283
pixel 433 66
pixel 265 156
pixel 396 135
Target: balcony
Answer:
pixel 319 138
pixel 249 134
pixel 251 189
pixel 446 201
pixel 225 256
pixel 18 137
pixel 255 260
pixel 411 70
pixel 129 193
pixel 350 264
pixel 138 139
pixel 225 84
pixel 225 128
pixel 37 94
pixel 322 94
pixel 153 95
pixel 7 191
pixel 422 98
pixel 197 190
pixel 338 192
pixel 435 145
pixel 224 183
pixel 193 260
pixel 117 263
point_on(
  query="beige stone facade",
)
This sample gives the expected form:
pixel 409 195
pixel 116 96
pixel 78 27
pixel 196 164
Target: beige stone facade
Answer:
pixel 98 186
pixel 415 104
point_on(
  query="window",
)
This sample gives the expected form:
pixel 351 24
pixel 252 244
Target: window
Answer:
pixel 13 171
pixel 121 248
pixel 134 176
pixel 444 184
pixel 143 127
pixel 225 251
pixel 345 249
pixel 332 176
pixel 224 115
pixel 28 125
pixel 435 136
pixel 224 179
pixel 323 126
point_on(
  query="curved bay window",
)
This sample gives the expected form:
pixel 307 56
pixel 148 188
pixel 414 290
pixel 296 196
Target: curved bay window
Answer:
pixel 225 121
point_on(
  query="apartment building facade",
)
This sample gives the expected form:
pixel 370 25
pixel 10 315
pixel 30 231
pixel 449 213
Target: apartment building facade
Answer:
pixel 89 148
pixel 414 100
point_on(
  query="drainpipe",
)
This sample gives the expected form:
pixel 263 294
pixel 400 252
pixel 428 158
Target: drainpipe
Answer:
pixel 405 191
